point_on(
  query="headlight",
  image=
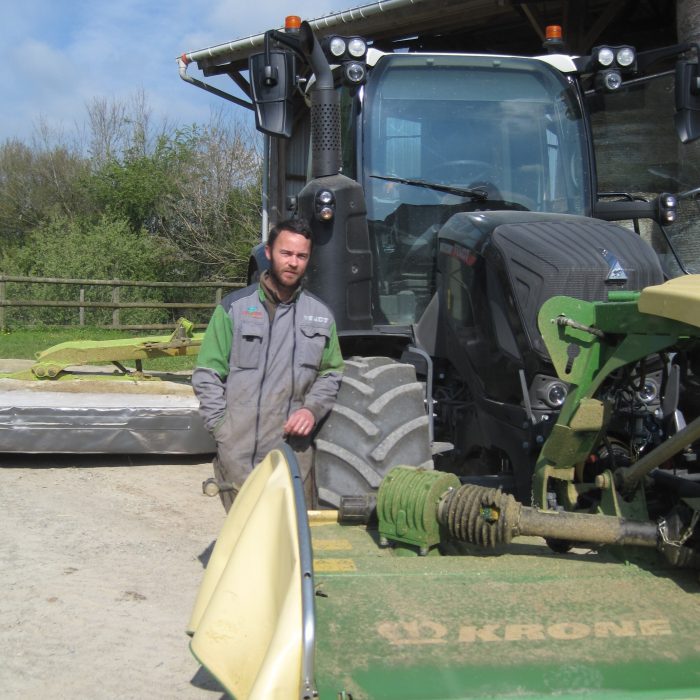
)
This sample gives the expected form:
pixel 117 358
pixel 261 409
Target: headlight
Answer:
pixel 548 392
pixel 609 64
pixel 324 205
pixel 668 208
pixel 556 395
pixel 609 80
pixel 649 391
pixel 350 53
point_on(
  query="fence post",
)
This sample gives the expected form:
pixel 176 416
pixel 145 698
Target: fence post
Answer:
pixel 3 296
pixel 219 292
pixel 115 310
pixel 81 312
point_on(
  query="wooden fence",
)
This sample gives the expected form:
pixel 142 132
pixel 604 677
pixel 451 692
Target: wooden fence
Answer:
pixel 81 303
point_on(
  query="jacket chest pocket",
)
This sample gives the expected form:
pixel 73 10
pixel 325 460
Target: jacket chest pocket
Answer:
pixel 313 340
pixel 247 346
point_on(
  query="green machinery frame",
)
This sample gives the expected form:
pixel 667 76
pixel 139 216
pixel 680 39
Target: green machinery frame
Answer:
pixel 53 362
pixel 587 341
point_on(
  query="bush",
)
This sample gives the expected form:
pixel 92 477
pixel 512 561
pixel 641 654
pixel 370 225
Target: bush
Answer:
pixel 106 250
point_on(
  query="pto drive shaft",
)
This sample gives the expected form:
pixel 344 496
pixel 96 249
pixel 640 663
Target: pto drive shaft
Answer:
pixel 488 517
pixel 425 507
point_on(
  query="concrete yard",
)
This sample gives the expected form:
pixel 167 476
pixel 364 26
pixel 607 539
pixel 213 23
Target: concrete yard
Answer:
pixel 100 561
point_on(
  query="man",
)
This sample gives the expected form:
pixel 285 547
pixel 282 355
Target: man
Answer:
pixel 270 365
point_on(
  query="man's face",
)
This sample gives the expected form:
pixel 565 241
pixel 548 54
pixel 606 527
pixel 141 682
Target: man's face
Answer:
pixel 289 257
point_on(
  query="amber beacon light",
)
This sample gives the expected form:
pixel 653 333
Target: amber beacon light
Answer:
pixel 292 23
pixel 553 32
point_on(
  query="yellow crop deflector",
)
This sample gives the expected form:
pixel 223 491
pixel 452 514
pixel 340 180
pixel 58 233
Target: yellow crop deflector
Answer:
pixel 677 299
pixel 248 624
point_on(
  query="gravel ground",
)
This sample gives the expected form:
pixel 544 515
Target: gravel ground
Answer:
pixel 100 562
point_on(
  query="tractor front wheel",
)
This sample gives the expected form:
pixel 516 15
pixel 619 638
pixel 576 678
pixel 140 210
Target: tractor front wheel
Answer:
pixel 379 421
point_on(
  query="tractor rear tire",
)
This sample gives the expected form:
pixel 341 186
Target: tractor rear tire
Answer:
pixel 378 422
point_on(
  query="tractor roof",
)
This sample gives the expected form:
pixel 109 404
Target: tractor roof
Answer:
pixel 447 25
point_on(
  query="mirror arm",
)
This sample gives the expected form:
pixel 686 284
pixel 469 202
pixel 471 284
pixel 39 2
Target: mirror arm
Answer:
pixel 291 42
pixel 182 64
pixel 648 58
pixel 663 208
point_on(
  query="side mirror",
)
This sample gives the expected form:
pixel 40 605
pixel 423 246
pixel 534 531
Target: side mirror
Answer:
pixel 272 81
pixel 687 118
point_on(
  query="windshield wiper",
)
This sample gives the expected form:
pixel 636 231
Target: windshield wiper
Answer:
pixel 478 194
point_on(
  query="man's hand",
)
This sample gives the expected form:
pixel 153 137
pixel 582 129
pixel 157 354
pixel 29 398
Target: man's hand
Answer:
pixel 301 423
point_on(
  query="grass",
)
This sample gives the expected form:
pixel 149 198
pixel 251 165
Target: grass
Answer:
pixel 23 344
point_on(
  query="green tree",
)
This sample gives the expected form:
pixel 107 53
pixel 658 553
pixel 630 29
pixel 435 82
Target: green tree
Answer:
pixel 36 183
pixel 135 187
pixel 214 215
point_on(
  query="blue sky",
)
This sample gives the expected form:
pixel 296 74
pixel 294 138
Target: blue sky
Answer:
pixel 58 56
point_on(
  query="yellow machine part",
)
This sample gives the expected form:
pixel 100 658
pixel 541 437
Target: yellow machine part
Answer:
pixel 247 619
pixel 678 299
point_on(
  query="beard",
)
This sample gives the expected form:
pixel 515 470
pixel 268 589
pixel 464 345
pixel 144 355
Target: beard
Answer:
pixel 282 280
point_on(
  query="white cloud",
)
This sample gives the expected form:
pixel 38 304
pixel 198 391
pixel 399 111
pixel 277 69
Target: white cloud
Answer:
pixel 62 55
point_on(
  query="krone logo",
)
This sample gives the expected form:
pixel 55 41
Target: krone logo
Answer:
pixel 432 632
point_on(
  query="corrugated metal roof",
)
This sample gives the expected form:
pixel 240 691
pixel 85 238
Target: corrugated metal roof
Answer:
pixel 504 26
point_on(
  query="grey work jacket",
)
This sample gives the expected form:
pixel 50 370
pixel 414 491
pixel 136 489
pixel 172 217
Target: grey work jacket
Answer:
pixel 274 367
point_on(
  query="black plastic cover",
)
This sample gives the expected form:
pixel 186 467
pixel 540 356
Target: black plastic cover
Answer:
pixel 272 88
pixel 575 258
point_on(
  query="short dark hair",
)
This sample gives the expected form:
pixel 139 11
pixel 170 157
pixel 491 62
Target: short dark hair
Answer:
pixel 299 226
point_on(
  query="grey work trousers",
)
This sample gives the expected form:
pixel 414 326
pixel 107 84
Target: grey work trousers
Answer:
pixel 231 474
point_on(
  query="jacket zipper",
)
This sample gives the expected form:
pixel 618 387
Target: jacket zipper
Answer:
pixel 294 352
pixel 260 388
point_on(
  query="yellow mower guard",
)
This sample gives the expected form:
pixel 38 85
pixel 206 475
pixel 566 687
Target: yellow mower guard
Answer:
pixel 252 622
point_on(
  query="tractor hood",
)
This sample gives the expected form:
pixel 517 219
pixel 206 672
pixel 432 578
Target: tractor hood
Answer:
pixel 535 256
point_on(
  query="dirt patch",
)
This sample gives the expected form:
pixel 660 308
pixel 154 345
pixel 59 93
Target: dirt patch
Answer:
pixel 100 562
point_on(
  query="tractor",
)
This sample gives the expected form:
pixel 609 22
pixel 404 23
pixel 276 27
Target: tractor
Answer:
pixel 521 361
pixel 451 196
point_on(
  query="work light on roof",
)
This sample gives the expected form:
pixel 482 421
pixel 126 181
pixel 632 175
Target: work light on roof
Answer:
pixel 344 48
pixel 605 56
pixel 623 58
pixel 354 72
pixel 357 47
pixel 337 46
pixel 626 56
